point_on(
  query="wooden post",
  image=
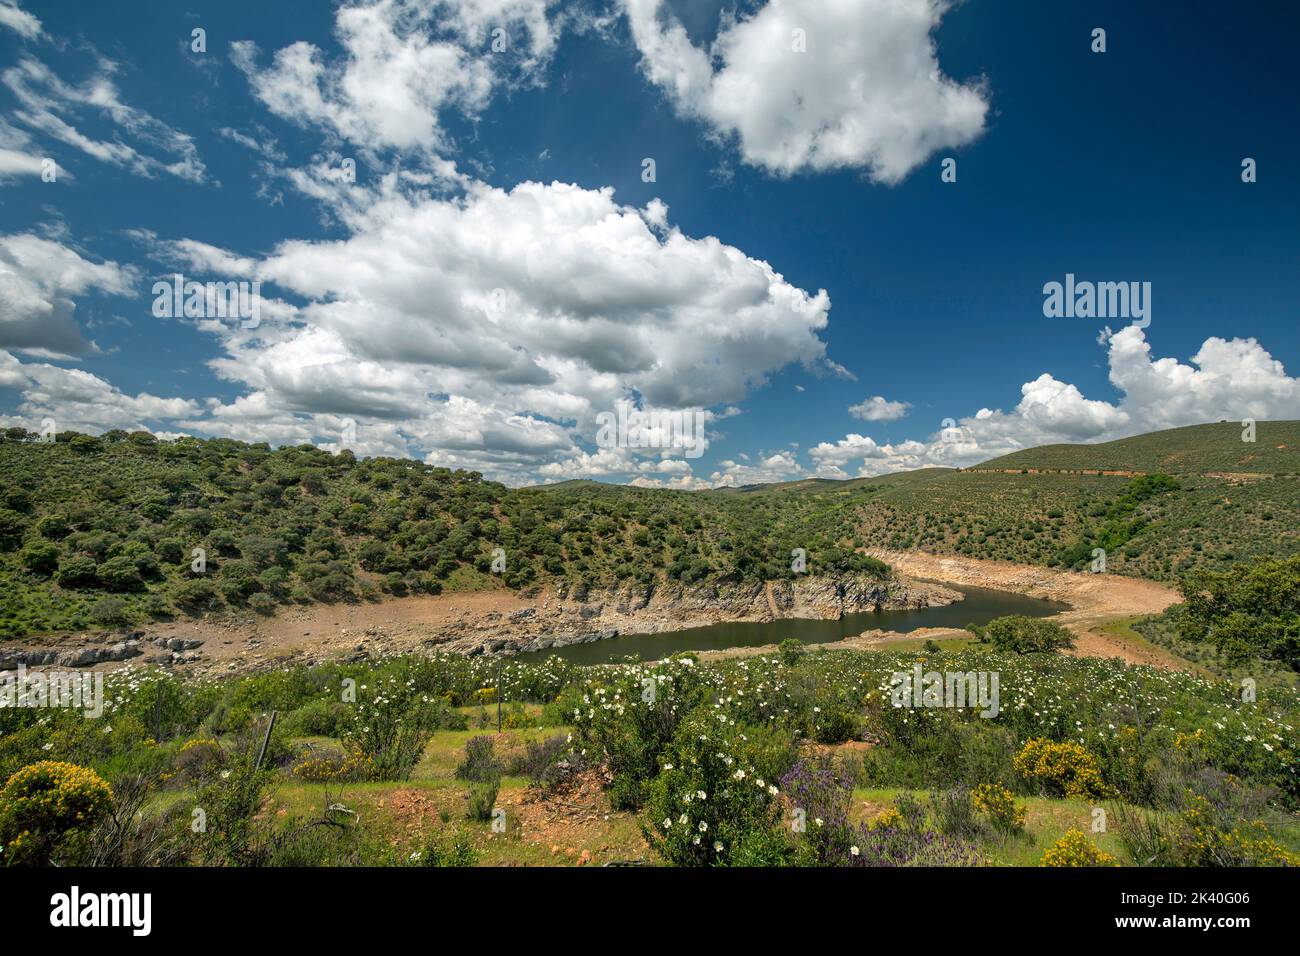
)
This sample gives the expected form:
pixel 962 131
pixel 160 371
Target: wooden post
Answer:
pixel 265 740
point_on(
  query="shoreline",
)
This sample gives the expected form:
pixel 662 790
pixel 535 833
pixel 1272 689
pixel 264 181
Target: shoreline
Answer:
pixel 501 622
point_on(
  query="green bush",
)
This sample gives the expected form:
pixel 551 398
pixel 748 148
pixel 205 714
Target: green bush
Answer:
pixel 45 806
pixel 1025 635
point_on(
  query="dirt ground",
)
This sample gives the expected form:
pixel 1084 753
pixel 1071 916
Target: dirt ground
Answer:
pixel 1095 600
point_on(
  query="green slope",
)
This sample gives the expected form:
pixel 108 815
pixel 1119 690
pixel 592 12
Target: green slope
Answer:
pixel 1195 449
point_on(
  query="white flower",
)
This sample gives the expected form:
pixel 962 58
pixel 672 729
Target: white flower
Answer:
pixel 717 847
pixel 854 850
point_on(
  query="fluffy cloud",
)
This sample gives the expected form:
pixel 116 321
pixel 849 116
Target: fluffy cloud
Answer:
pixel 877 409
pixel 776 466
pixel 38 278
pixel 79 401
pixel 495 325
pixel 404 63
pixel 868 92
pixel 1227 379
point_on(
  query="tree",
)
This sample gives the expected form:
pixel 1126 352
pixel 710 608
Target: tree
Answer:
pixel 120 574
pixel 77 571
pixel 1024 635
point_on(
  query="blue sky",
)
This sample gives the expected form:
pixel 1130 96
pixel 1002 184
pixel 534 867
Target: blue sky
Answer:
pixel 500 274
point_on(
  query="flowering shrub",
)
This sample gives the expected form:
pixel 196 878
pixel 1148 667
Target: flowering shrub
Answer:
pixel 1062 769
pixel 440 852
pixel 629 719
pixel 888 817
pixel 390 728
pixel 996 802
pixel 708 805
pixel 906 846
pixel 1204 838
pixel 43 805
pixel 1075 849
pixel 199 758
pixel 819 796
pixel 350 766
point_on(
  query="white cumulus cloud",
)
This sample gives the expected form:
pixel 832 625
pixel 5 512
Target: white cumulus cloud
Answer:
pixel 867 91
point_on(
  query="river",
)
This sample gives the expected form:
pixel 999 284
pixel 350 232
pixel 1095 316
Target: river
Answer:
pixel 980 606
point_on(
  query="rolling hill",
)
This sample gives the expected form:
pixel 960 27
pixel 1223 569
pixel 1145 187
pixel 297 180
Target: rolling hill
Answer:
pixel 104 531
pixel 1194 449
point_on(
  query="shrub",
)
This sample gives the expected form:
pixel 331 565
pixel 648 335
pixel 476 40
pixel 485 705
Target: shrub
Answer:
pixel 834 724
pixel 194 595
pixel 910 846
pixel 791 650
pixel 352 766
pixel 120 574
pixel 483 800
pixel 316 718
pixel 632 720
pixel 480 764
pixel 1075 849
pixel 46 805
pixel 77 571
pixel 1224 825
pixel 550 765
pixel 819 797
pixel 1025 635
pixel 392 728
pixel 996 802
pixel 41 557
pixel 953 812
pixel 1061 769
pixel 707 800
pixel 198 759
pixel 456 852
pixel 109 612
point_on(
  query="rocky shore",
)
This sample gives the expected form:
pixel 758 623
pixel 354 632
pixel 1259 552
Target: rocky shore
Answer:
pixel 476 623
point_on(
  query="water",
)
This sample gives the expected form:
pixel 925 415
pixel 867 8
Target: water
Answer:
pixel 980 606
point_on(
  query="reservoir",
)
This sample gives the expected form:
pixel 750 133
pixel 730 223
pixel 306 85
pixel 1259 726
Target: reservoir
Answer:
pixel 980 606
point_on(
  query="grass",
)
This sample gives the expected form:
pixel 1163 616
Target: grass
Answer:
pixel 404 814
pixel 556 834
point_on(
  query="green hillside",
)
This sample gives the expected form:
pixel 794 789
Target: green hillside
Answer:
pixel 101 532
pixel 1195 449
